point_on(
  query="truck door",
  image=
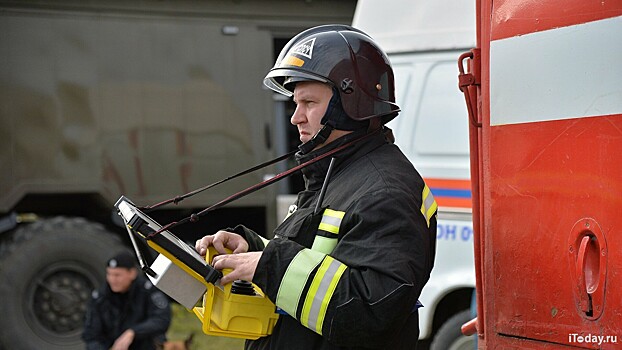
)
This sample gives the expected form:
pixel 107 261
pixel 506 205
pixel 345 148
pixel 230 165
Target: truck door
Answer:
pixel 550 174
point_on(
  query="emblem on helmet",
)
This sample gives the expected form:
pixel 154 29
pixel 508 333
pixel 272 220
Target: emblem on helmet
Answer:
pixel 304 48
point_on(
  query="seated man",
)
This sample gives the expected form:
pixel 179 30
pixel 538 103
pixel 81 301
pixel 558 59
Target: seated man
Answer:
pixel 127 312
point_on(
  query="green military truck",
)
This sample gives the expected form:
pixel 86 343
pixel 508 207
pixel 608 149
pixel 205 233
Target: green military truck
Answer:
pixel 149 99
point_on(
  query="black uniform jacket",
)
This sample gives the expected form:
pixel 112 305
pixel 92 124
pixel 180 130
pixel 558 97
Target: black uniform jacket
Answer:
pixel 143 308
pixel 358 287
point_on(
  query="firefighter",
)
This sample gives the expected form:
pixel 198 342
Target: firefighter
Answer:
pixel 127 312
pixel 346 267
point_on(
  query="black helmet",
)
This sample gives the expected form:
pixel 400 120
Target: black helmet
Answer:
pixel 344 57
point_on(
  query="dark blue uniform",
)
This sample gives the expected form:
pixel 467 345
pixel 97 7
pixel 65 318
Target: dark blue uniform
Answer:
pixel 143 308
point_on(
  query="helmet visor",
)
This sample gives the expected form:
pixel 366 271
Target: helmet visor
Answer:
pixel 276 78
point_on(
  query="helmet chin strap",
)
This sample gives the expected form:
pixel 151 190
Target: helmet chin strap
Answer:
pixel 334 118
pixel 317 140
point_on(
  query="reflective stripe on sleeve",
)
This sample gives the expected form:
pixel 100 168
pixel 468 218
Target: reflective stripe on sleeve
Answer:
pixel 331 219
pixel 328 231
pixel 428 205
pixel 320 293
pixel 295 279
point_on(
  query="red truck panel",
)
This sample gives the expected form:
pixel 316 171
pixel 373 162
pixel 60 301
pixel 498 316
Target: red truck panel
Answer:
pixel 550 174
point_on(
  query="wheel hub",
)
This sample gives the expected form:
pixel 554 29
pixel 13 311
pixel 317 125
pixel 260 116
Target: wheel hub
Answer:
pixel 60 298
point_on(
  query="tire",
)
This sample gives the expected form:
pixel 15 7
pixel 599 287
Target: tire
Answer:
pixel 47 273
pixel 449 336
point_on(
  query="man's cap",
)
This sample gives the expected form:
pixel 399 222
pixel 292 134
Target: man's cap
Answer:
pixel 122 259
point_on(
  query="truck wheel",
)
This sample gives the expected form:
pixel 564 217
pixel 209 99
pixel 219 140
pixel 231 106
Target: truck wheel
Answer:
pixel 449 336
pixel 47 273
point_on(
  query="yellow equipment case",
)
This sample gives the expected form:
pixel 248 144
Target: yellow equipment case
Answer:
pixel 238 310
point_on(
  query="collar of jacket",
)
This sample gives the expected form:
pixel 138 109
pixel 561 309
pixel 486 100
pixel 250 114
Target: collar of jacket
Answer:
pixel 314 174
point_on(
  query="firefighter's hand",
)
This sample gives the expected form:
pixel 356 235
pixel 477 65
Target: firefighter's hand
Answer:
pixel 220 241
pixel 243 266
pixel 124 341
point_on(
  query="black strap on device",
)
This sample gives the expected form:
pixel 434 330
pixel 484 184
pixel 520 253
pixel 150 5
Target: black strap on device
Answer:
pixel 196 216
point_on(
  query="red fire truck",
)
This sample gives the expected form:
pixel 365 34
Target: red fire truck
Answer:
pixel 544 91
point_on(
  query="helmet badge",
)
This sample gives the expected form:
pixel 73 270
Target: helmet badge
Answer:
pixel 304 49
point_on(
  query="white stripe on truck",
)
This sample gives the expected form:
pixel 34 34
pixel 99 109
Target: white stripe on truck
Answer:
pixel 561 73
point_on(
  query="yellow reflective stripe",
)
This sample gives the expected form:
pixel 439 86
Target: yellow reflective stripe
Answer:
pixel 428 205
pixel 320 293
pixel 295 279
pixel 324 244
pixel 331 220
pixel 293 61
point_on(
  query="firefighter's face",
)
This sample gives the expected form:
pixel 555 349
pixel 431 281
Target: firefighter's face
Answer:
pixel 311 100
pixel 120 278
